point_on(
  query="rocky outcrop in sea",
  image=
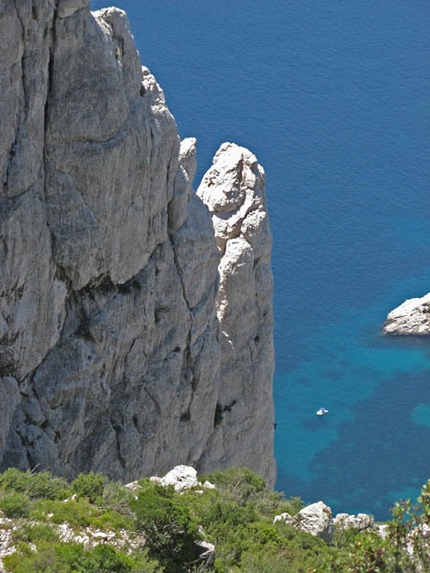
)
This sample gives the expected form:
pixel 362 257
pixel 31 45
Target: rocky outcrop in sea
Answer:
pixel 410 318
pixel 135 315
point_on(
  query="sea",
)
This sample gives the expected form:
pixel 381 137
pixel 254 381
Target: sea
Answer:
pixel 334 99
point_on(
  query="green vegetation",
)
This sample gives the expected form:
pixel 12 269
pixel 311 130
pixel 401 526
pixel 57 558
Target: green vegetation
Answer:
pixel 73 558
pixel 155 530
pixel 168 525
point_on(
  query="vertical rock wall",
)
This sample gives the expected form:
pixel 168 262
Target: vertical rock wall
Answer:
pixel 233 190
pixel 112 357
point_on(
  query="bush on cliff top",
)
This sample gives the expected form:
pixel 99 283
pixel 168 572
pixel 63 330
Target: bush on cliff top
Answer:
pixel 237 517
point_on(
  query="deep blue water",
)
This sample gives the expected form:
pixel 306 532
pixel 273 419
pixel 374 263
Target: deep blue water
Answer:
pixel 333 97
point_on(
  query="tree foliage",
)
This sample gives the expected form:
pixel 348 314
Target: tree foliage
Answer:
pixel 170 530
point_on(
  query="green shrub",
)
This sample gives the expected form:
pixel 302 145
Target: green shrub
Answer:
pixel 242 483
pixel 35 532
pixel 44 560
pixel 15 505
pixel 116 496
pixel 102 559
pixel 15 480
pixel 90 486
pixel 113 520
pixel 76 513
pixel 277 560
pixel 35 485
pixel 43 485
pixel 170 530
pixel 73 558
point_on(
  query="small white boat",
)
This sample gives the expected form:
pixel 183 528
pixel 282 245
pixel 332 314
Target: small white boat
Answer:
pixel 322 412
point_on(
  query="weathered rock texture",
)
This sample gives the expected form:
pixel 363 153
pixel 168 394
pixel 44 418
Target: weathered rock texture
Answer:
pixel 317 520
pixel 120 349
pixel 410 318
pixel 361 521
pixel 233 190
pixel 181 478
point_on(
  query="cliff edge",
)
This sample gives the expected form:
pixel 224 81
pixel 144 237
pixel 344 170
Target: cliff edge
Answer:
pixel 136 327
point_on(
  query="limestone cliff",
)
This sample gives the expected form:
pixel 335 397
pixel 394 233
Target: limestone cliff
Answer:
pixel 233 190
pixel 130 339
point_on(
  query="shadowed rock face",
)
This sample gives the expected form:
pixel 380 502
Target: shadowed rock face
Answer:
pixel 122 346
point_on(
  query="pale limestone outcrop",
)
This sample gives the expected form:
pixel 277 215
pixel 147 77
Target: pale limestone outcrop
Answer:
pixel 361 521
pixel 181 478
pixel 233 190
pixel 110 350
pixel 285 518
pixel 315 519
pixel 410 318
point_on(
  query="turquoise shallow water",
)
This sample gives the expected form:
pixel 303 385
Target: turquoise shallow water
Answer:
pixel 333 98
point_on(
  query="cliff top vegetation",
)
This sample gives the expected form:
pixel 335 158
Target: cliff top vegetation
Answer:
pixel 95 525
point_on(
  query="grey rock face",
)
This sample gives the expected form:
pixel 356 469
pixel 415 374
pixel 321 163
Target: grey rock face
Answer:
pixel 112 357
pixel 410 318
pixel 233 190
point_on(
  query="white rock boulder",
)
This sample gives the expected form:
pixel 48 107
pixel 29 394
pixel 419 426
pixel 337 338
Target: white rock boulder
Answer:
pixel 317 520
pixel 181 478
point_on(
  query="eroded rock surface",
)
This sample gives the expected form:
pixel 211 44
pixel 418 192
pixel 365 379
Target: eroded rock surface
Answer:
pixel 410 318
pixel 361 521
pixel 315 519
pixel 181 478
pixel 233 190
pixel 121 348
